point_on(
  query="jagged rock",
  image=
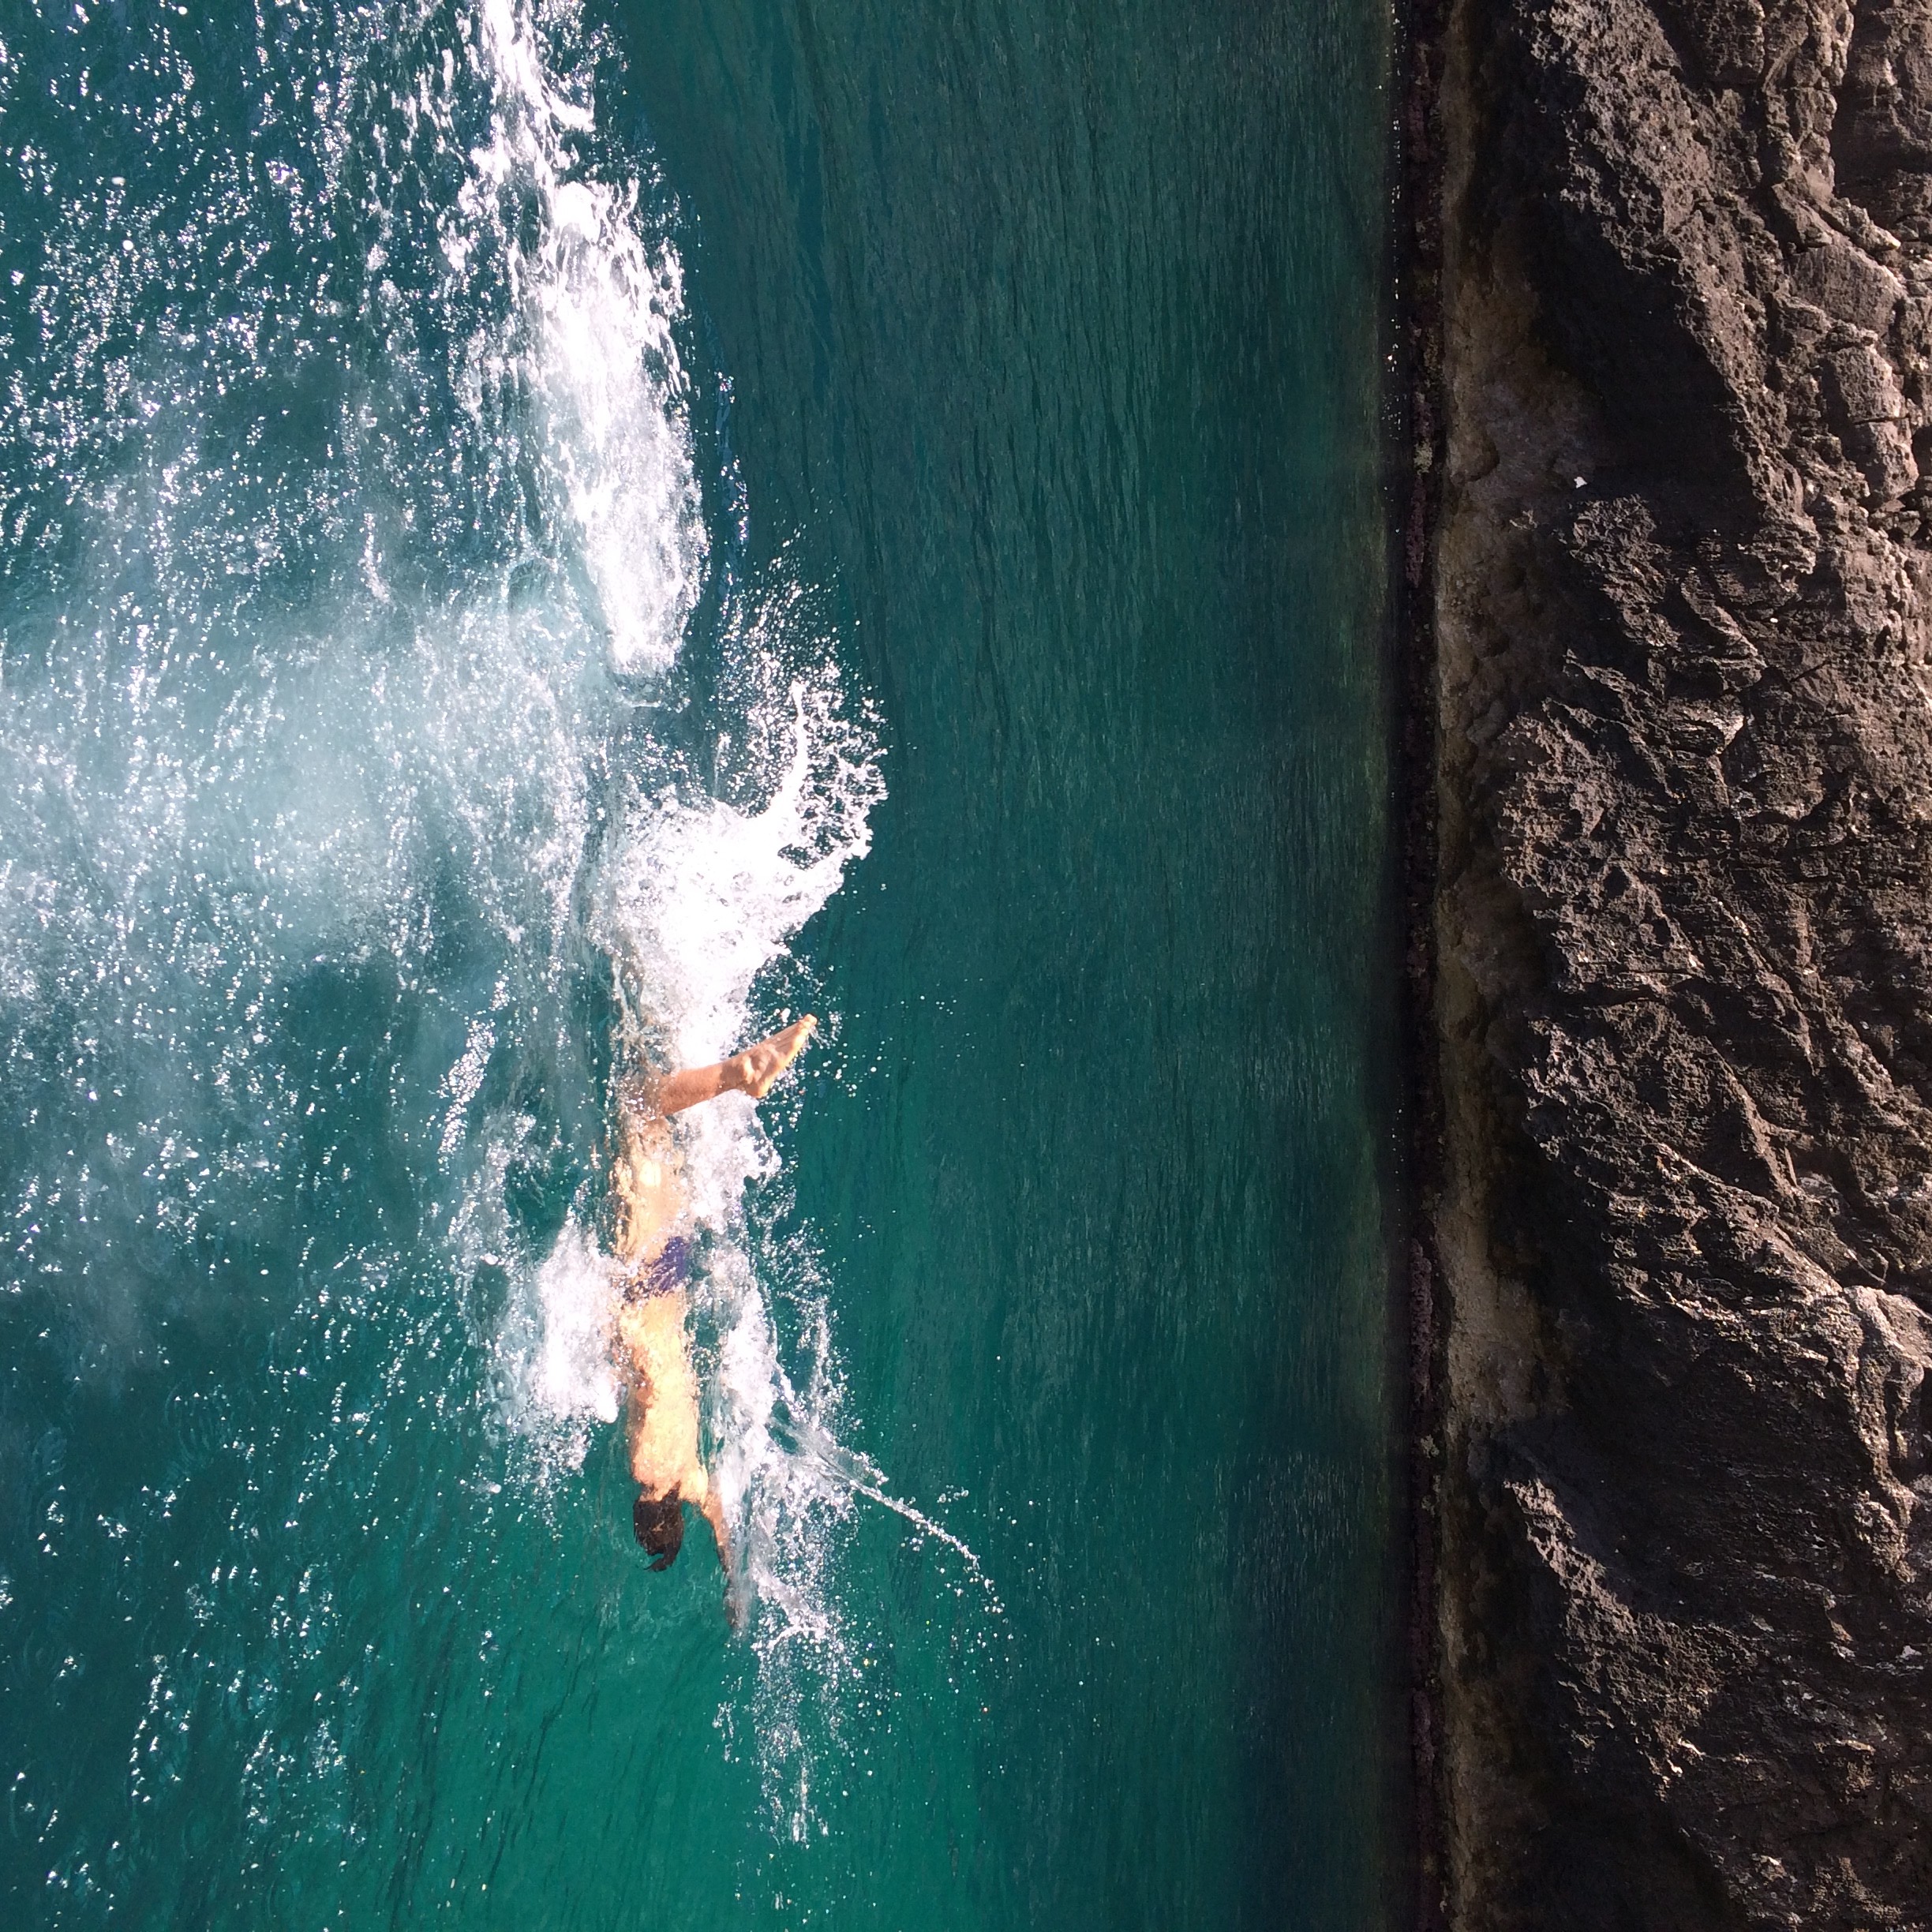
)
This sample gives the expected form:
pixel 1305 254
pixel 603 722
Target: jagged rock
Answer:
pixel 1684 946
pixel 1846 282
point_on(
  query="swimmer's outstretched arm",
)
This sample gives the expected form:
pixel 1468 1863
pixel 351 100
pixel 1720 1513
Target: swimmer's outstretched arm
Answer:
pixel 752 1072
pixel 713 1511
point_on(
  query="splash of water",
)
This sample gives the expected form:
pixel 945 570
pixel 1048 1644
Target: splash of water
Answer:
pixel 696 897
pixel 283 738
pixel 601 353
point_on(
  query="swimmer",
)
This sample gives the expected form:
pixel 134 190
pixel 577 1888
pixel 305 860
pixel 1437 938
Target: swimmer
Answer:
pixel 653 1247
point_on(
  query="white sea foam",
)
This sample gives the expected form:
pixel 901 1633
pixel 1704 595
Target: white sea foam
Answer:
pixel 571 1372
pixel 601 354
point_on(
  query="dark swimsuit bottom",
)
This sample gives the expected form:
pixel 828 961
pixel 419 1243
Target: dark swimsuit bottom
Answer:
pixel 670 1271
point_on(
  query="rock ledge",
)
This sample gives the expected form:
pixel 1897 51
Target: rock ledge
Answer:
pixel 1683 1227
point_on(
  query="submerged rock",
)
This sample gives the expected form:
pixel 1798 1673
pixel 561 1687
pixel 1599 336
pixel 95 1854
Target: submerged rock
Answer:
pixel 1683 932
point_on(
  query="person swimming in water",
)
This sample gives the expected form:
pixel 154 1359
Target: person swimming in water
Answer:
pixel 652 1246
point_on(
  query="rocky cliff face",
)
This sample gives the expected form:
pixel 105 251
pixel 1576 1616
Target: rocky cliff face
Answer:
pixel 1684 977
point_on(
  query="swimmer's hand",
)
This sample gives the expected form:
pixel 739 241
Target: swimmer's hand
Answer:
pixel 752 1072
pixel 757 1067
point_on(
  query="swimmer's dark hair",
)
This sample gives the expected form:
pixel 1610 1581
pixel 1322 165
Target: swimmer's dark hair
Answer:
pixel 659 1522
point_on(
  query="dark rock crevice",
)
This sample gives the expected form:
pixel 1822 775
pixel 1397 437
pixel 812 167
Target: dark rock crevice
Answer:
pixel 1683 978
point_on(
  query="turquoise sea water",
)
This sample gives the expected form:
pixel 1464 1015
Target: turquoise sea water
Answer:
pixel 515 515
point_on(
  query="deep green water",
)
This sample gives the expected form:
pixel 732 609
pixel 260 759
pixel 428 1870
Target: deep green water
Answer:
pixel 922 559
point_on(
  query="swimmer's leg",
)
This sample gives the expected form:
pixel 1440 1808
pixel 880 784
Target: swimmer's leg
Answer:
pixel 752 1072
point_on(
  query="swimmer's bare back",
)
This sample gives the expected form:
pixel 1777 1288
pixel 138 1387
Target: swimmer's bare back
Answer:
pixel 662 1407
pixel 653 1349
